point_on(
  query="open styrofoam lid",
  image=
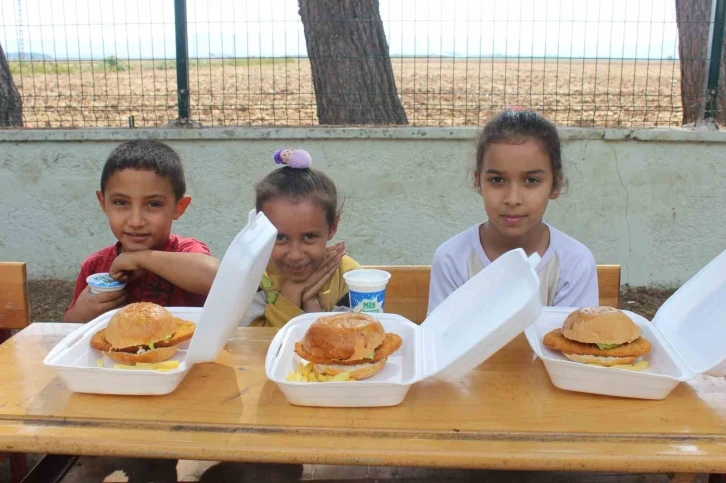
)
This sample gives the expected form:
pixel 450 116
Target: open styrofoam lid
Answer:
pixel 693 320
pixel 481 316
pixel 233 289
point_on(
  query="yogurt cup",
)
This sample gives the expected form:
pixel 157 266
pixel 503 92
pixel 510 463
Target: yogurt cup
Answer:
pixel 367 289
pixel 103 282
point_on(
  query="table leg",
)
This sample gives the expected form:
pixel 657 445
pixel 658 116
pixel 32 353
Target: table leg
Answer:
pixel 18 467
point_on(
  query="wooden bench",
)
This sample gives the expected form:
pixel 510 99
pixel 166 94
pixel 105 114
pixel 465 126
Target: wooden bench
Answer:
pixel 407 292
pixel 14 314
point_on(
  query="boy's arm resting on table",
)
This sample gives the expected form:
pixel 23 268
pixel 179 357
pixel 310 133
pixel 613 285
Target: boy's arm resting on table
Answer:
pixel 193 272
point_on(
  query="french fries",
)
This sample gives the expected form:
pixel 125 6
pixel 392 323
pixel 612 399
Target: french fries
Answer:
pixel 146 366
pixel 307 373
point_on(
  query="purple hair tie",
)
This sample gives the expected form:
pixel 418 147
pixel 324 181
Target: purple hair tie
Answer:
pixel 298 158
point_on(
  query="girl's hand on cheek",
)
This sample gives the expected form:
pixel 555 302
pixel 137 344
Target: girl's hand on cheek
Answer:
pixel 304 294
pixel 314 284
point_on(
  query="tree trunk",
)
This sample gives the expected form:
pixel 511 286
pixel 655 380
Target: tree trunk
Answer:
pixel 351 68
pixel 693 18
pixel 11 105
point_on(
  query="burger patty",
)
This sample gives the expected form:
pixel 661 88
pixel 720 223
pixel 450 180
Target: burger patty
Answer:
pixel 184 331
pixel 556 341
pixel 390 344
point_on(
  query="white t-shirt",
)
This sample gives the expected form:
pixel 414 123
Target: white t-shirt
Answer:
pixel 567 272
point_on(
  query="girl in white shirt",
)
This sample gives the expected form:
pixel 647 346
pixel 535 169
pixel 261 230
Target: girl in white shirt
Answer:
pixel 518 170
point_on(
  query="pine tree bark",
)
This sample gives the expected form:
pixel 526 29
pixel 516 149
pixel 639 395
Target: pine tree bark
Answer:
pixel 693 18
pixel 351 67
pixel 11 105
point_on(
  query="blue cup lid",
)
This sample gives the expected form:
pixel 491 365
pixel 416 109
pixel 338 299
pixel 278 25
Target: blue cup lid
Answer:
pixel 103 280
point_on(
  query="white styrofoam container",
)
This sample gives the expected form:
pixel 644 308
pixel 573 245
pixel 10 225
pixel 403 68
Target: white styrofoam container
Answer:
pixel 76 362
pixel 473 323
pixel 687 334
pixel 231 294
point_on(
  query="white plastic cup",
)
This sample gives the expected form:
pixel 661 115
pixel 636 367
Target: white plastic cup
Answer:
pixel 367 289
pixel 103 282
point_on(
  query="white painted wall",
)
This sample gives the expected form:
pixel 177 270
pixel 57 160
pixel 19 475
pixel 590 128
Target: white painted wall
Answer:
pixel 650 200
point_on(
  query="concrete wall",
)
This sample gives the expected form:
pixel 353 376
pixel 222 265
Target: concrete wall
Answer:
pixel 651 200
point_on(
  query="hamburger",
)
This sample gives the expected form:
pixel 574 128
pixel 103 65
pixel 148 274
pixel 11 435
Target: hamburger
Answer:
pixel 599 335
pixel 142 332
pixel 355 343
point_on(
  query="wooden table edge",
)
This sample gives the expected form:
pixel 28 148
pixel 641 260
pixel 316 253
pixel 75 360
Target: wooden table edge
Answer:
pixel 685 454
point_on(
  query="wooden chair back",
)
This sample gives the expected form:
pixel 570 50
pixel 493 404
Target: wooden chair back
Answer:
pixel 14 311
pixel 407 293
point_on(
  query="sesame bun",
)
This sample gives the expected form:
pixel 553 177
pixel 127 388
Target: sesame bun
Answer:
pixel 602 360
pixel 160 354
pixel 358 371
pixel 600 325
pixel 344 336
pixel 139 324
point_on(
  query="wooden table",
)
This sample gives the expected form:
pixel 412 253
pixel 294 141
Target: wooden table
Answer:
pixel 504 415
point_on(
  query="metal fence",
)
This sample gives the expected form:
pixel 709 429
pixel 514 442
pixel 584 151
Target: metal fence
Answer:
pixel 79 63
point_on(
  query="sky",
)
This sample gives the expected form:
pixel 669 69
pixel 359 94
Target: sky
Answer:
pixel 83 29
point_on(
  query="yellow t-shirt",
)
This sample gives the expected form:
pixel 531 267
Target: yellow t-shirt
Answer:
pixel 279 310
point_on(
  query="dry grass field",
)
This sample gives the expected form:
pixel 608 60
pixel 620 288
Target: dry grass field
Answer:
pixel 266 92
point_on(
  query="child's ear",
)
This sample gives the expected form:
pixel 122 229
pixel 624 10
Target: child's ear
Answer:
pixel 333 228
pixel 556 188
pixel 181 206
pixel 101 200
pixel 477 181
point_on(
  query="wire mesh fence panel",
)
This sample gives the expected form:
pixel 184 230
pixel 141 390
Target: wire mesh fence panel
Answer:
pixel 84 63
pixel 605 63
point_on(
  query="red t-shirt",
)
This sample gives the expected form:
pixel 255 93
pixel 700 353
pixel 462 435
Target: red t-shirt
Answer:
pixel 150 287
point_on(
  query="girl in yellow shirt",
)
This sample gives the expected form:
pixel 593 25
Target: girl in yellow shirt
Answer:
pixel 304 273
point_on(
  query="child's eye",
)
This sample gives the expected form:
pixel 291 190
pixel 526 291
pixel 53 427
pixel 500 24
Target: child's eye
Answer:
pixel 496 179
pixel 155 204
pixel 281 237
pixel 119 202
pixel 531 180
pixel 309 237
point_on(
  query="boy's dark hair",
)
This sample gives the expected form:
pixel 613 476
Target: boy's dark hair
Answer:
pixel 517 126
pixel 146 155
pixel 299 184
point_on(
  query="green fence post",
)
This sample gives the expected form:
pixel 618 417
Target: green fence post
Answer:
pixel 182 60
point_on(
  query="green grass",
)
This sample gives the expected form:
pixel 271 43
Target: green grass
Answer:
pixel 164 65
pixel 36 67
pixel 113 64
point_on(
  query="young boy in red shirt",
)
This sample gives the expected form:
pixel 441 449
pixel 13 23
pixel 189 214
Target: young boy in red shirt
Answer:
pixel 142 193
